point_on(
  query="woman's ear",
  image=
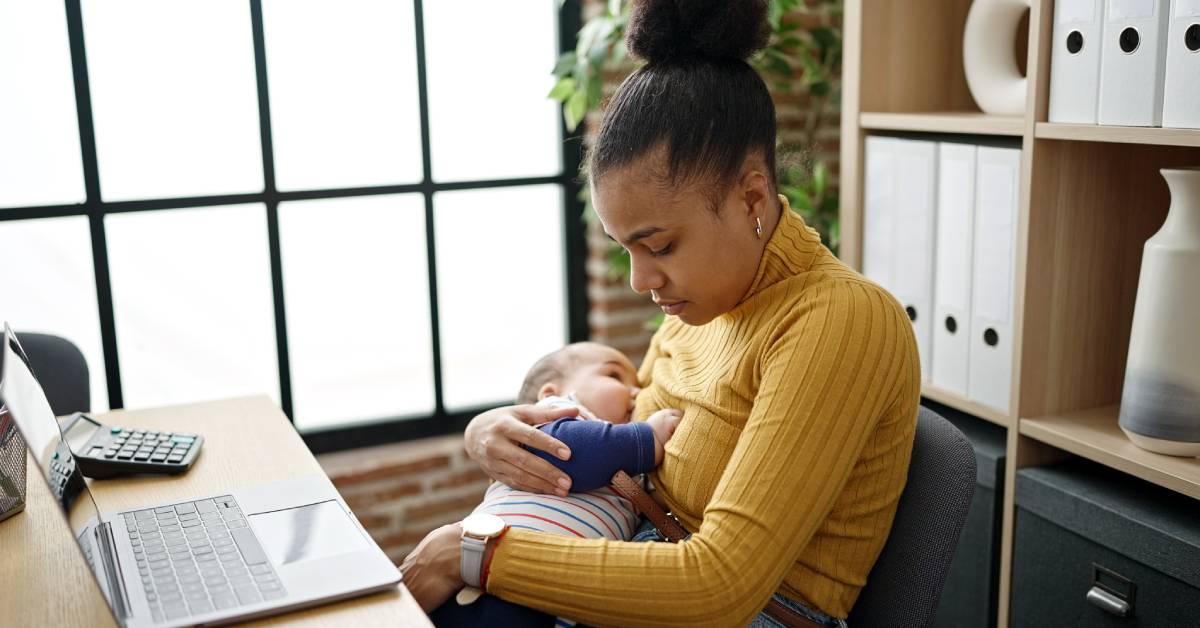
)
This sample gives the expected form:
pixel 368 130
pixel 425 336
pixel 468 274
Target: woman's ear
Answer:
pixel 549 389
pixel 755 188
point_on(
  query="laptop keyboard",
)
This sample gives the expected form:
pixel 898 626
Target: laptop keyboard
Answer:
pixel 197 557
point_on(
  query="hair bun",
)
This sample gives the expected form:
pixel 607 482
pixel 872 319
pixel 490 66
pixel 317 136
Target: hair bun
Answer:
pixel 667 30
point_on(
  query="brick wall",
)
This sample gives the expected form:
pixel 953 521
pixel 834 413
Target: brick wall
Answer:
pixel 402 491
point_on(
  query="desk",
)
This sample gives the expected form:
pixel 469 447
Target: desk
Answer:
pixel 246 441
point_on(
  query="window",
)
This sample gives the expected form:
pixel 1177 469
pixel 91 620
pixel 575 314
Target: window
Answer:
pixel 364 209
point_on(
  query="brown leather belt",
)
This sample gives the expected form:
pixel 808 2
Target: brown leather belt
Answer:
pixel 673 531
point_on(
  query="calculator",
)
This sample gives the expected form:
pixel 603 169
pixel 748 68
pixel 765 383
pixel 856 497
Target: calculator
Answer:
pixel 105 451
pixel 66 482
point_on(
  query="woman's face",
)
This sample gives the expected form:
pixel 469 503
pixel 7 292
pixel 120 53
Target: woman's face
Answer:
pixel 696 264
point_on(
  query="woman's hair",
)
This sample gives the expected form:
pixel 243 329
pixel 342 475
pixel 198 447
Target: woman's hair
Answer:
pixel 696 96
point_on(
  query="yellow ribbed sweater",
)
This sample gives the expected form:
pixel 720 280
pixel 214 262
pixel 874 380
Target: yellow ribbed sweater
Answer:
pixel 799 407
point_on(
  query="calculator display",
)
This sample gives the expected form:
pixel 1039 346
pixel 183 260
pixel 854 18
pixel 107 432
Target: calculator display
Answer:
pixel 80 433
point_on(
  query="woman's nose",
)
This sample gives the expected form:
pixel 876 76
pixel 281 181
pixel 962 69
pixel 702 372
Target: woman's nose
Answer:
pixel 644 276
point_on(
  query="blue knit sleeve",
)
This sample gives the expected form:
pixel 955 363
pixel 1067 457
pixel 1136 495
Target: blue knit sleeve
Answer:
pixel 599 449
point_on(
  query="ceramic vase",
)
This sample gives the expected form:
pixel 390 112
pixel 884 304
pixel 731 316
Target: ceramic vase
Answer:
pixel 1160 404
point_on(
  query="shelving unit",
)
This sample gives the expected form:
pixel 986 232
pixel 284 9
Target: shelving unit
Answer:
pixel 943 122
pixel 957 401
pixel 1118 134
pixel 1090 197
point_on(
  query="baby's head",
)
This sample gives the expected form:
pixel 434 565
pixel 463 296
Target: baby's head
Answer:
pixel 601 378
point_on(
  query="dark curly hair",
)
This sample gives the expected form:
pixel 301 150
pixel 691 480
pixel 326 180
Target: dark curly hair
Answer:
pixel 696 96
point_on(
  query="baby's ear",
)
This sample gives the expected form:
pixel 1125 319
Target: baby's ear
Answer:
pixel 549 389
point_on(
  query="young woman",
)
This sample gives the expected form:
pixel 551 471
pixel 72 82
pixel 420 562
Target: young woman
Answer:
pixel 798 379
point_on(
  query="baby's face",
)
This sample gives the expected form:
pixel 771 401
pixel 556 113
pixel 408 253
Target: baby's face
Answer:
pixel 604 380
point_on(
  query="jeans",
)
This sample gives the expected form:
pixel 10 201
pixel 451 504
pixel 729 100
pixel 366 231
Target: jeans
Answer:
pixel 647 532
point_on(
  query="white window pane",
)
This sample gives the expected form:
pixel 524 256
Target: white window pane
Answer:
pixel 500 288
pixel 193 304
pixel 39 132
pixel 359 339
pixel 343 87
pixel 48 285
pixel 174 97
pixel 488 66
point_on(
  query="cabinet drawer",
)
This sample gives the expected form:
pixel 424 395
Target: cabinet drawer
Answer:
pixel 1091 543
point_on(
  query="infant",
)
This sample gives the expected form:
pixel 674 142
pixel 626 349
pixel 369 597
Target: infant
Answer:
pixel 602 383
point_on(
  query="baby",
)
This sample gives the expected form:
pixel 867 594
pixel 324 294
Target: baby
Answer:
pixel 602 383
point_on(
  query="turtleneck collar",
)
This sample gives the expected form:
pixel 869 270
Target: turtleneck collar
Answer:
pixel 790 251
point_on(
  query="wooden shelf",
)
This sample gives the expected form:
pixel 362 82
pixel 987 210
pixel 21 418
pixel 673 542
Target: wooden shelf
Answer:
pixel 1117 134
pixel 944 122
pixel 959 402
pixel 1095 435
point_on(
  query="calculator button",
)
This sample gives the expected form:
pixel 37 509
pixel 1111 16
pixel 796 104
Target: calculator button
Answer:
pixel 110 453
pixel 141 456
pixel 124 455
pixel 183 439
pixel 115 430
pixel 157 458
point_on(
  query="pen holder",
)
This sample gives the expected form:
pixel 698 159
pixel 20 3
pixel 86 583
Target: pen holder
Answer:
pixel 12 467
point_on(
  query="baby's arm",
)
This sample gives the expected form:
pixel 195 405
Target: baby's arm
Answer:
pixel 599 449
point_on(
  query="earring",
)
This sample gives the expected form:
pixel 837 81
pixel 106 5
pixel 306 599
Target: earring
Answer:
pixel 758 227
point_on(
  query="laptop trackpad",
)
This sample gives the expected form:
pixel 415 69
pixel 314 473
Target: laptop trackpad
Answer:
pixel 307 532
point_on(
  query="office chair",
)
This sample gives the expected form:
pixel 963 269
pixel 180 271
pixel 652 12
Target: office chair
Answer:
pixel 906 582
pixel 62 371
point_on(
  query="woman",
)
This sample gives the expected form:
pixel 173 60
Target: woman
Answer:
pixel 798 379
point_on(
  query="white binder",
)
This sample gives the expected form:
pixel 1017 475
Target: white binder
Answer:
pixel 1181 87
pixel 997 184
pixel 1075 61
pixel 916 202
pixel 878 210
pixel 898 222
pixel 952 269
pixel 1132 62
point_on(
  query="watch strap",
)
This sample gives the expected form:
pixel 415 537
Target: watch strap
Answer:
pixel 471 561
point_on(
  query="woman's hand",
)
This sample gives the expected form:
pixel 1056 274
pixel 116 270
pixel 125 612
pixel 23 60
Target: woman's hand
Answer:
pixel 432 572
pixel 493 440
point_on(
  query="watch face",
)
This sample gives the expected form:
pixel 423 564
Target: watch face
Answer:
pixel 483 525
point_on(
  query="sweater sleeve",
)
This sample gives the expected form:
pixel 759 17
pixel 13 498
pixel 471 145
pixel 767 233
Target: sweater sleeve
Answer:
pixel 599 449
pixel 830 370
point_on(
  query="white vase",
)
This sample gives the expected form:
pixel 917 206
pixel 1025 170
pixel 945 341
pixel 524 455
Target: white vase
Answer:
pixel 1160 404
pixel 989 59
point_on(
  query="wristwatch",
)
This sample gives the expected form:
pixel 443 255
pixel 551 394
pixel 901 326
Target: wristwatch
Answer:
pixel 477 529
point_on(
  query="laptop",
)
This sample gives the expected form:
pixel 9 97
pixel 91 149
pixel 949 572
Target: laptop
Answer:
pixel 209 559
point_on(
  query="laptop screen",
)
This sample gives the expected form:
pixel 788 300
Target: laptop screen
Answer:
pixel 24 400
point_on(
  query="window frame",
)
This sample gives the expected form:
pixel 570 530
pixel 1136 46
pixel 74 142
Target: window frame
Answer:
pixel 384 429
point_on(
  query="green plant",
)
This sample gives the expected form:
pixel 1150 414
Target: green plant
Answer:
pixel 803 55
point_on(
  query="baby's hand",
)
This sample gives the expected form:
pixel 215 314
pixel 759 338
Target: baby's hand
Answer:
pixel 663 424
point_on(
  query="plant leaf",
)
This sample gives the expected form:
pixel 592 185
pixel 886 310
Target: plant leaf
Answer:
pixel 576 109
pixel 563 89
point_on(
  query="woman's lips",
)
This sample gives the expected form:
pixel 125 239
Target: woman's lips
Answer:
pixel 672 308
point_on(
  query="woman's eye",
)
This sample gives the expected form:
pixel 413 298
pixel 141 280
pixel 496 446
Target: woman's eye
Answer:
pixel 663 251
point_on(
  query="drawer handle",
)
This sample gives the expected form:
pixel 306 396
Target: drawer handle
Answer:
pixel 1108 602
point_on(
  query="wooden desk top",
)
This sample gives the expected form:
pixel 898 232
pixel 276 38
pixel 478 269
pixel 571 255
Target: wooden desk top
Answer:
pixel 246 441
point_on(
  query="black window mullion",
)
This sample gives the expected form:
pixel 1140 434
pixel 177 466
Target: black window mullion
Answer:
pixel 92 205
pixel 271 196
pixel 428 190
pixel 574 229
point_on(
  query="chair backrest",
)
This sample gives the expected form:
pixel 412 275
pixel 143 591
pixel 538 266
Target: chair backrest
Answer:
pixel 62 371
pixel 906 582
